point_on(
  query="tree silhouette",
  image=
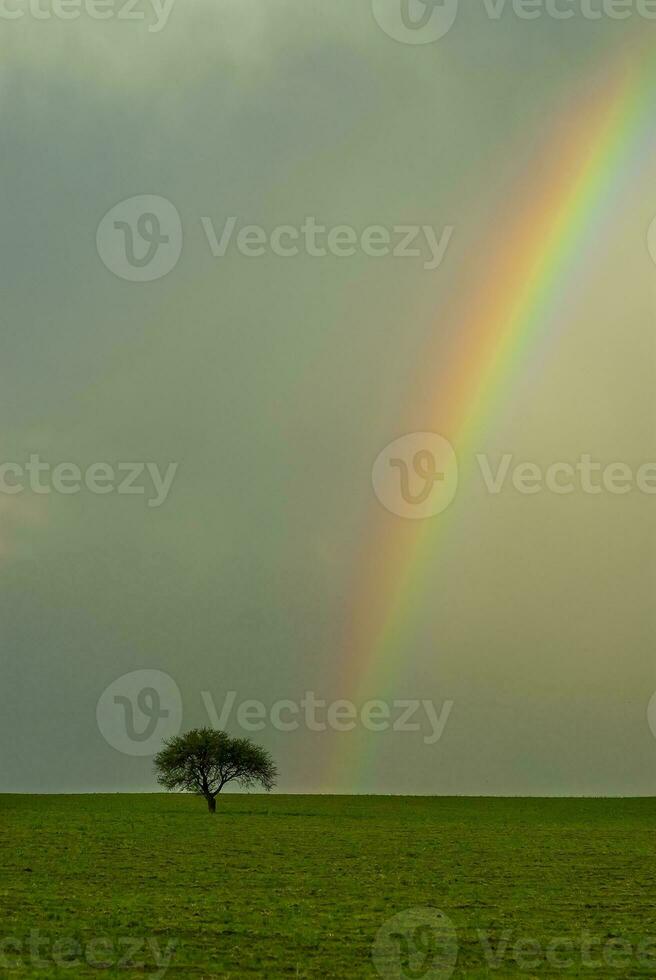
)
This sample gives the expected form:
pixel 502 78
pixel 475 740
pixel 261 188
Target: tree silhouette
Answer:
pixel 204 760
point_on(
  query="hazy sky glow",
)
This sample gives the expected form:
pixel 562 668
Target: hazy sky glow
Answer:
pixel 274 382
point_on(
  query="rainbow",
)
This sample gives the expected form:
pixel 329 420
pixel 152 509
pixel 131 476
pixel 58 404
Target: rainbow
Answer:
pixel 572 187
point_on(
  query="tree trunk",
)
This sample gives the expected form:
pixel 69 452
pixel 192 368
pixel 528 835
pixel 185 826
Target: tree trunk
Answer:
pixel 211 804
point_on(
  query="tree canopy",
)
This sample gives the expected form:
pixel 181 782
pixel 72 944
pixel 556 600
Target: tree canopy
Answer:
pixel 204 760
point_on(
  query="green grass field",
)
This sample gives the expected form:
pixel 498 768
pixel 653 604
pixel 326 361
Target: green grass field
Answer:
pixel 299 886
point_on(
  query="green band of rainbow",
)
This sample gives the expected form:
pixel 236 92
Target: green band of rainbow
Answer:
pixel 567 196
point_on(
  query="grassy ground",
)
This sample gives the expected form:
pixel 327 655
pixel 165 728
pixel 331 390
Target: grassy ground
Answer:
pixel 300 886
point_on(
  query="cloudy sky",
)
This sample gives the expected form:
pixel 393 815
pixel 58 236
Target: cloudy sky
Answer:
pixel 271 382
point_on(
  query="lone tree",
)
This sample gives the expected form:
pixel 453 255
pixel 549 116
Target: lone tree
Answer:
pixel 203 760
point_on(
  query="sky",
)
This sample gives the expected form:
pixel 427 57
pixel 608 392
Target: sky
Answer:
pixel 247 381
